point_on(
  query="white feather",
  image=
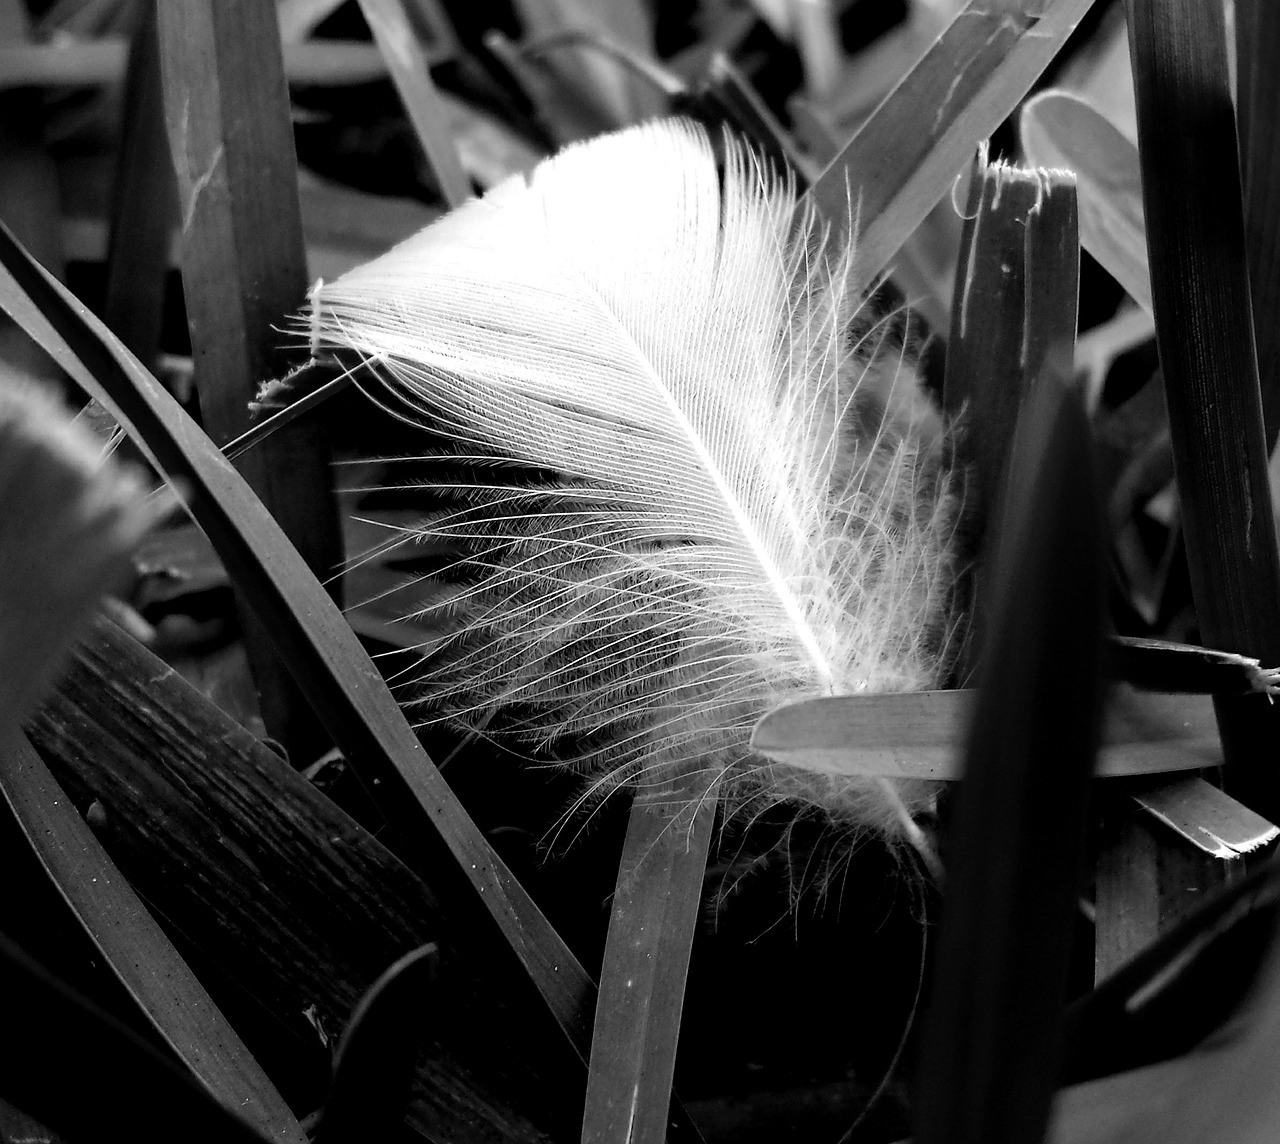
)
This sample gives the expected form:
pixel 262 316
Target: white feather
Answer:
pixel 744 510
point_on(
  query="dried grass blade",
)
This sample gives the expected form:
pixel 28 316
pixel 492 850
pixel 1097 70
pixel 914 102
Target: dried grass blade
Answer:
pixel 907 155
pixel 646 961
pixel 990 1049
pixel 135 947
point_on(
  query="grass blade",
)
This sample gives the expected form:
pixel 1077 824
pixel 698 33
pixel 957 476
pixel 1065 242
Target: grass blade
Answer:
pixel 1200 288
pixel 79 63
pixel 918 735
pixel 646 961
pixel 907 155
pixel 989 1055
pixel 1013 317
pixel 68 523
pixel 1059 129
pixel 1013 323
pixel 286 905
pixel 1223 1091
pixel 1143 1011
pixel 1206 817
pixel 409 71
pixel 1258 111
pixel 244 272
pixel 1161 665
pixel 28 184
pixel 433 833
pixel 373 1070
pixel 135 947
pixel 144 203
pixel 122 1085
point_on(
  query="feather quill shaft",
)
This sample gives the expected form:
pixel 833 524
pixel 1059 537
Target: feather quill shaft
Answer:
pixel 704 487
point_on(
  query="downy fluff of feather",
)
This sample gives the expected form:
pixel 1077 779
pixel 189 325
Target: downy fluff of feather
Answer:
pixel 706 492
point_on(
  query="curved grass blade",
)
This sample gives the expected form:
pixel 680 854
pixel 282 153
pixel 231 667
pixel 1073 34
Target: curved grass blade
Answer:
pixel 1059 129
pixel 907 155
pixel 989 1055
pixel 374 1066
pixel 135 947
pixel 82 1073
pixel 434 835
